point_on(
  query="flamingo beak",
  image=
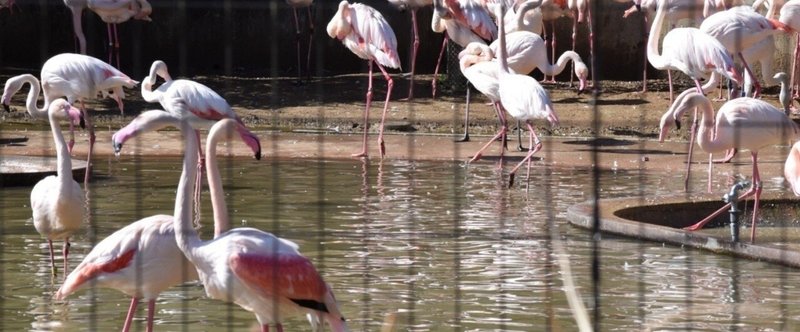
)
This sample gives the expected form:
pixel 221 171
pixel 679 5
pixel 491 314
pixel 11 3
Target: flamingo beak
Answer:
pixel 117 146
pixel 678 124
pixel 6 108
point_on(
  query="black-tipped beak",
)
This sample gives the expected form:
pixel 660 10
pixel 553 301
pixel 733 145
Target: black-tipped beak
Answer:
pixel 117 146
pixel 638 7
pixel 580 91
pixel 678 124
pixel 258 155
pixel 5 107
pixel 82 122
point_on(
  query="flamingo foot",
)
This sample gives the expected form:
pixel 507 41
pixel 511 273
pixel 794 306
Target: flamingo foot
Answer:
pixel 463 139
pixel 382 148
pixel 728 157
pixel 476 158
pixel 522 148
pixel 362 154
pixel 511 180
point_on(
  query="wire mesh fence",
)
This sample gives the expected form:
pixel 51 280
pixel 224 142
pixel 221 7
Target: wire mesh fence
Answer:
pixel 178 215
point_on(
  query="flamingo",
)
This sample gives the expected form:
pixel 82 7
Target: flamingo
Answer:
pixel 791 169
pixel 476 64
pixel 76 7
pixel 463 21
pixel 258 271
pixel 114 12
pixel 76 77
pixel 57 201
pixel 522 96
pixel 790 15
pixel 694 53
pixel 365 32
pixel 742 123
pixel 581 9
pixel 298 4
pixel 677 10
pixel 412 6
pixel 740 28
pixel 202 108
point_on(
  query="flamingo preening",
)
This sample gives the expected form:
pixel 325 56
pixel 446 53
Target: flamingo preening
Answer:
pixel 365 32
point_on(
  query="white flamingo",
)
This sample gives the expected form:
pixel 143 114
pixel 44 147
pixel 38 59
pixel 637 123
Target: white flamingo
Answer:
pixel 57 201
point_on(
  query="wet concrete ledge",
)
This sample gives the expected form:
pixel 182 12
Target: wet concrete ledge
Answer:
pixel 28 170
pixel 662 220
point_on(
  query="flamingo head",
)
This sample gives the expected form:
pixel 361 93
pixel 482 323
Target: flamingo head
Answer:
pixel 339 26
pixel 333 316
pixel 144 11
pixel 582 72
pixel 666 123
pixel 781 77
pixel 12 86
pixel 250 139
pixel 159 68
pixel 117 95
pixel 734 75
pixel 62 109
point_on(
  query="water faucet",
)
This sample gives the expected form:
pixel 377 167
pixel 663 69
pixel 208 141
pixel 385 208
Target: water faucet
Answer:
pixel 732 198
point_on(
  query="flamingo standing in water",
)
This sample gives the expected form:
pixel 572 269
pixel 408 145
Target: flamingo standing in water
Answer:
pixel 694 53
pixel 790 15
pixel 522 96
pixel 139 259
pixel 412 6
pixel 742 123
pixel 57 201
pixel 298 4
pixel 256 270
pixel 114 12
pixel 76 77
pixel 365 32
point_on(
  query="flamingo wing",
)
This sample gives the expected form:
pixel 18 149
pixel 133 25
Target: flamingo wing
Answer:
pixel 285 276
pixel 472 14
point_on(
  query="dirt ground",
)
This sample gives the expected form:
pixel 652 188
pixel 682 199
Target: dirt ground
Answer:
pixel 324 118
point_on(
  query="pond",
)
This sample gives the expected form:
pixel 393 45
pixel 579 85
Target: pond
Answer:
pixel 433 245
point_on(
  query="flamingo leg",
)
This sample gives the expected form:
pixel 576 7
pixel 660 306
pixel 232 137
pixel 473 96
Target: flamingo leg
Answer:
pixel 310 42
pixel 363 152
pixel 756 194
pixel 519 137
pixel 52 258
pixel 716 213
pixel 151 311
pixel 466 118
pixel 265 328
pixel 389 85
pixel 501 117
pixel 479 154
pixel 795 69
pixel 754 79
pixel 644 71
pixel 116 45
pixel 692 133
pixel 574 39
pixel 66 255
pixel 669 80
pixel 552 48
pixel 77 28
pixel 131 312
pixel 110 42
pixel 438 62
pixel 414 47
pixel 536 145
pixel 92 137
pixel 297 40
pixel 729 154
pixel 279 327
pixel 591 36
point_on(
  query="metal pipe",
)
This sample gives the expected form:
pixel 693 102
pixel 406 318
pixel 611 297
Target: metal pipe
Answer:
pixel 732 197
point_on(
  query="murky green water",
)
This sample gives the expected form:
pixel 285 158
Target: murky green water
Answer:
pixel 442 246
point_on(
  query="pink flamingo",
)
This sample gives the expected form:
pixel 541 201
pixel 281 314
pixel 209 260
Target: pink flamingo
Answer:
pixel 412 6
pixel 57 201
pixel 677 10
pixel 76 77
pixel 551 11
pixel 791 169
pixel 463 21
pixel 773 6
pixel 522 96
pixel 476 64
pixel 149 241
pixel 200 105
pixel 114 12
pixel 739 29
pixel 365 32
pixel 242 264
pixel 298 4
pixel 790 15
pixel 581 10
pixel 742 123
pixel 694 53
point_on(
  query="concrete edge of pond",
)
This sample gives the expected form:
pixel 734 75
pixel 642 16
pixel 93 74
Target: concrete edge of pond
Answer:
pixel 582 215
pixel 18 171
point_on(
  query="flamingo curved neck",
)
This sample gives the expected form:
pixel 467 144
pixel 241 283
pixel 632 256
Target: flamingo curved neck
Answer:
pixel 147 90
pixel 523 9
pixel 705 133
pixel 503 53
pixel 64 161
pixel 561 63
pixel 185 235
pixel 33 95
pixel 655 59
pixel 220 208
